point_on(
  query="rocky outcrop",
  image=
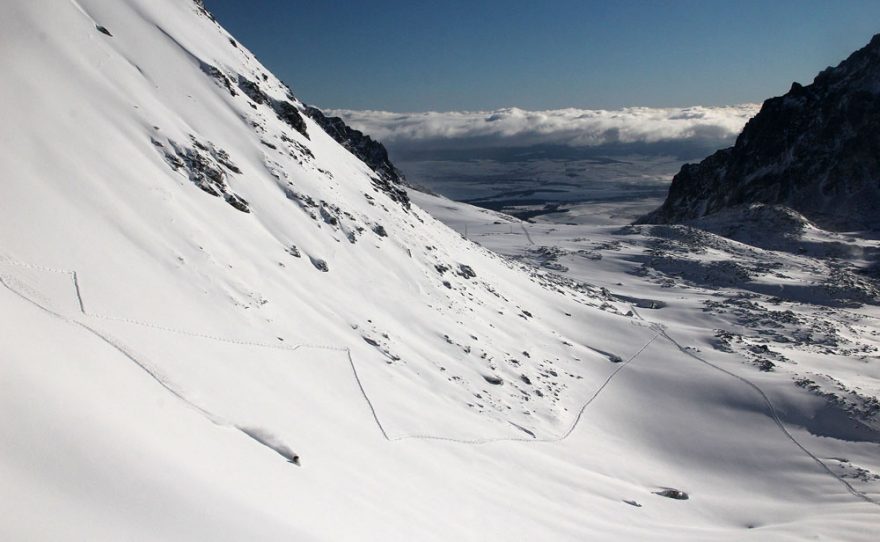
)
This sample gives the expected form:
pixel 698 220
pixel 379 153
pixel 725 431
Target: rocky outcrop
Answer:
pixel 390 180
pixel 815 150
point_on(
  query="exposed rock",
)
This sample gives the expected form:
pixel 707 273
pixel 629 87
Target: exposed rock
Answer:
pixel 289 113
pixel 252 90
pixel 205 165
pixel 320 264
pixel 218 76
pixel 371 152
pixel 466 271
pixel 671 493
pixel 816 150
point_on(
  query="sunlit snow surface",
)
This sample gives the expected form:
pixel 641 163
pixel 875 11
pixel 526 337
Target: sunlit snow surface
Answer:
pixel 174 369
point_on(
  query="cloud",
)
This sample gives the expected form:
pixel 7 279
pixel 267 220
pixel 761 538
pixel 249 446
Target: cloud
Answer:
pixel 515 127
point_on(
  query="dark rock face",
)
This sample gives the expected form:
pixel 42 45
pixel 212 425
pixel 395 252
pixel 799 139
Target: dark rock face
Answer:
pixel 371 152
pixel 816 150
pixel 206 166
pixel 288 113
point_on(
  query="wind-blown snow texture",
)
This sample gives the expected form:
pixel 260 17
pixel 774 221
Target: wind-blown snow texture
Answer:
pixel 200 286
pixel 815 150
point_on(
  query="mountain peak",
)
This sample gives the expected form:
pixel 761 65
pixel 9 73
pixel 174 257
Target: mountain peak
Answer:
pixel 814 149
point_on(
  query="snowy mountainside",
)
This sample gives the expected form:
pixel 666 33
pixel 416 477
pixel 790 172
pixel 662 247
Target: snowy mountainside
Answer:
pixel 320 253
pixel 220 324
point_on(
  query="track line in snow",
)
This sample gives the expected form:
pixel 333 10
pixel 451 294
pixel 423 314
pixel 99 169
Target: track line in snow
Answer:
pixel 771 409
pixel 352 365
pixel 216 420
pixel 568 432
pixel 525 231
pixel 115 345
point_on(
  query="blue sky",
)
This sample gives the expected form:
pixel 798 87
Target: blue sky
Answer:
pixel 415 55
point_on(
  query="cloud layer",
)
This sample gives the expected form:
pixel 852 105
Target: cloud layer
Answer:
pixel 515 127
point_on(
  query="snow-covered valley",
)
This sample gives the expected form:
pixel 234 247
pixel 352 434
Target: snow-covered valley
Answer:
pixel 219 324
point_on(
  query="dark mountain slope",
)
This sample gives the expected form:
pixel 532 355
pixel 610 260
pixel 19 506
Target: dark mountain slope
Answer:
pixel 816 150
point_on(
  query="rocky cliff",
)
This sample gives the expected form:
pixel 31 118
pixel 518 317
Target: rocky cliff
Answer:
pixel 816 150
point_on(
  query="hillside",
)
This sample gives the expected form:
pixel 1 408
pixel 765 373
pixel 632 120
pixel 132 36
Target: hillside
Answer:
pixel 220 324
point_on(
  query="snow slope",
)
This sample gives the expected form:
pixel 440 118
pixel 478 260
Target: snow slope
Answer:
pixel 218 324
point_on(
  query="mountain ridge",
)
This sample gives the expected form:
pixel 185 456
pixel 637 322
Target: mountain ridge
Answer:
pixel 814 149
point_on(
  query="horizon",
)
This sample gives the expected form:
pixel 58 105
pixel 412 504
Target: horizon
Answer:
pixel 410 57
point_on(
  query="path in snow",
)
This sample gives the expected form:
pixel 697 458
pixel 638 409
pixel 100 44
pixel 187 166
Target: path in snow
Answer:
pixel 127 352
pixel 216 420
pixel 770 407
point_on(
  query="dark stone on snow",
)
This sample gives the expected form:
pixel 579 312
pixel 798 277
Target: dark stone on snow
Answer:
pixel 289 114
pixel 238 202
pixel 466 271
pixel 319 264
pixel 252 90
pixel 219 76
pixel 103 30
pixel 494 380
pixel 671 493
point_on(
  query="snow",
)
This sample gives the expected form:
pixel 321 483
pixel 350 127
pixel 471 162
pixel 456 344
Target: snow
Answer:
pixel 166 356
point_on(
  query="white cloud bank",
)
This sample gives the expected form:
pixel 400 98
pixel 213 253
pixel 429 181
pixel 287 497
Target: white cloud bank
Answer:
pixel 572 127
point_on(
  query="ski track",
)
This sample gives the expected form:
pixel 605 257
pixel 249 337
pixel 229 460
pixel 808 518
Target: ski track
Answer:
pixel 771 409
pixel 125 351
pixel 661 332
pixel 525 231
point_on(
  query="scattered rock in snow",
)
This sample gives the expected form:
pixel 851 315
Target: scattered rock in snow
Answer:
pixel 671 493
pixel 289 114
pixel 319 264
pixel 494 380
pixel 103 30
pixel 218 76
pixel 466 271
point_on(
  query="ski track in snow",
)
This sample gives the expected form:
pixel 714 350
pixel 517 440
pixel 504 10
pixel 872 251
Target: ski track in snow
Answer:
pixel 525 231
pixel 770 407
pixel 117 345
pixel 661 332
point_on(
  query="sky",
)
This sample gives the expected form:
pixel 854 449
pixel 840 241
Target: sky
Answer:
pixel 419 55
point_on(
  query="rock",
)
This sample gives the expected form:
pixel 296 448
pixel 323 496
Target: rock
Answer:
pixel 494 380
pixel 252 90
pixel 103 30
pixel 293 251
pixel 218 76
pixel 369 151
pixel 672 493
pixel 815 150
pixel 320 264
pixel 466 271
pixel 289 114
